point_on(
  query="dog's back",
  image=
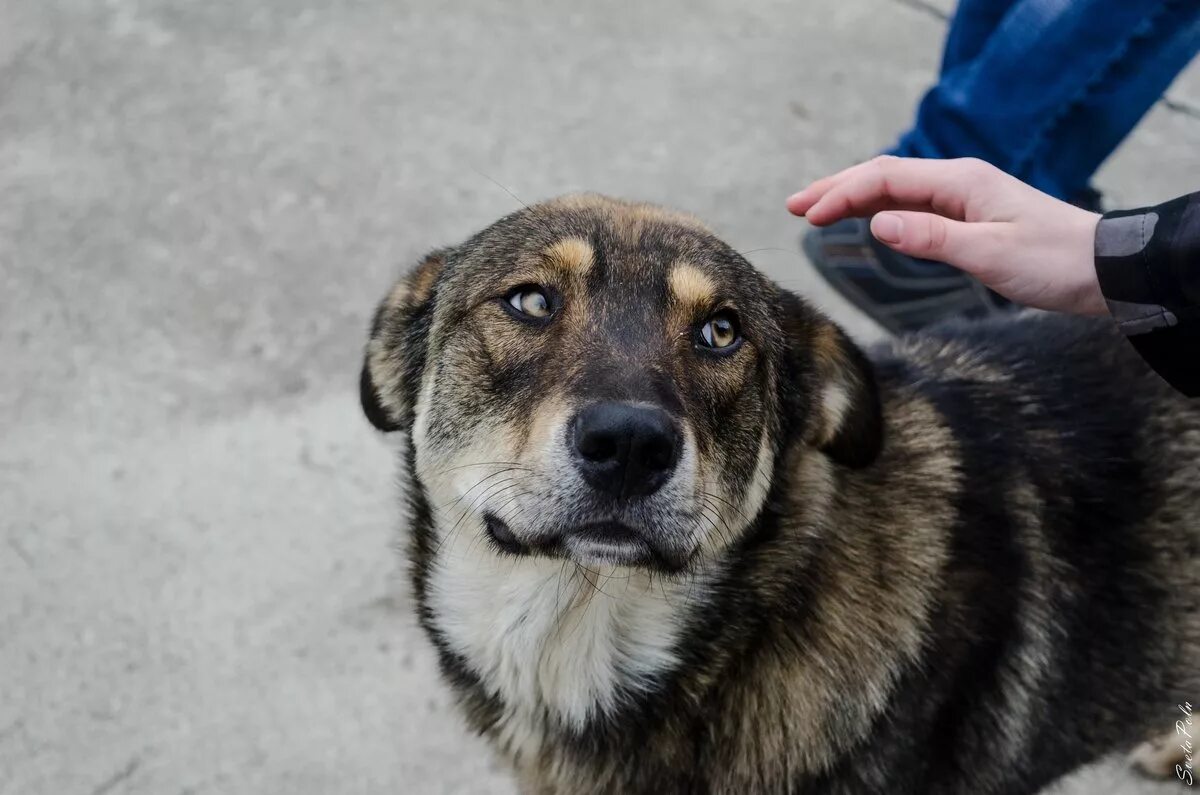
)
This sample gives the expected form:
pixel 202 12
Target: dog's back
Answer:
pixel 1070 617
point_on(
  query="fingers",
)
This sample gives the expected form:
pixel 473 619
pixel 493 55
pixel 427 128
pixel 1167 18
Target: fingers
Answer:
pixel 800 203
pixel 894 183
pixel 972 247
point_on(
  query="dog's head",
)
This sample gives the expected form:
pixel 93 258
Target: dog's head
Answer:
pixel 608 383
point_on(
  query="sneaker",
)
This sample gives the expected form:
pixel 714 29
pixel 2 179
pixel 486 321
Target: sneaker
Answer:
pixel 899 292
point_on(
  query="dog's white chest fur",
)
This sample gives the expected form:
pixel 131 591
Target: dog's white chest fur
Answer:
pixel 546 640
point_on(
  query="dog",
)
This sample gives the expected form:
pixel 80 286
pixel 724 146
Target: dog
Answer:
pixel 672 531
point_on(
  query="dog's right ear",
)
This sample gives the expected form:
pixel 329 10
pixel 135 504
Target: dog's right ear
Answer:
pixel 395 353
pixel 831 384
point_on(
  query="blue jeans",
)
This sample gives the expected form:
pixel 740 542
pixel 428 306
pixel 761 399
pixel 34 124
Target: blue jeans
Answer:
pixel 1047 89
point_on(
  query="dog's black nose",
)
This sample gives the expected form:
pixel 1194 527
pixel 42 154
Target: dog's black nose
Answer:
pixel 625 450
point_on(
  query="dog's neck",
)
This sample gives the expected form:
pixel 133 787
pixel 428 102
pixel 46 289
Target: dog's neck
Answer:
pixel 555 641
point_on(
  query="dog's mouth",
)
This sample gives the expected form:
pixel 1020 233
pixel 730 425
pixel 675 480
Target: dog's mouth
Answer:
pixel 605 542
pixel 503 537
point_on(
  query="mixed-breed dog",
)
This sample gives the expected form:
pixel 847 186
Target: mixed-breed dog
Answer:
pixel 671 531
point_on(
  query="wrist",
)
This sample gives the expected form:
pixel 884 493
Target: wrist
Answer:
pixel 1088 298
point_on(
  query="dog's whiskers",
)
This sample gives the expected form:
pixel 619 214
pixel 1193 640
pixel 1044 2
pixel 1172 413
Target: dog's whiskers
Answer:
pixel 478 483
pixel 488 492
pixel 516 464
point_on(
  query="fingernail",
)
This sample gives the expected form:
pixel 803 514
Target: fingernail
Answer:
pixel 887 227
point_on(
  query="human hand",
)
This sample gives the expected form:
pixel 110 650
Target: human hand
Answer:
pixel 1029 247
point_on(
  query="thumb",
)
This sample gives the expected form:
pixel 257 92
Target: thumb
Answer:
pixel 967 246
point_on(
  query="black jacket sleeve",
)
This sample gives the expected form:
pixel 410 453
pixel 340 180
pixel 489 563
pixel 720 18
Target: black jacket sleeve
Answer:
pixel 1148 263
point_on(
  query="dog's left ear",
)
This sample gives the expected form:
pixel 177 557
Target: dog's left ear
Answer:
pixel 395 355
pixel 831 384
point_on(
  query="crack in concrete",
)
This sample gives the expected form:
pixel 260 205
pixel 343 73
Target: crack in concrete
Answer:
pixel 12 729
pixel 116 779
pixel 22 553
pixel 1180 107
pixel 927 8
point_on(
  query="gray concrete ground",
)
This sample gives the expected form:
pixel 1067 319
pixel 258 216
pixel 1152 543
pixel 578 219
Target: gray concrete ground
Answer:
pixel 200 203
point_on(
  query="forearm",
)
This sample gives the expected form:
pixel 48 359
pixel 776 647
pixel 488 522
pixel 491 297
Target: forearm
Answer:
pixel 1148 265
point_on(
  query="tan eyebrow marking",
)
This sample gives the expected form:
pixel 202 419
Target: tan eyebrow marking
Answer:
pixel 692 286
pixel 572 254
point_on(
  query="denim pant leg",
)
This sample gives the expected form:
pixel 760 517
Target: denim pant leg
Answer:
pixel 973 23
pixel 1057 87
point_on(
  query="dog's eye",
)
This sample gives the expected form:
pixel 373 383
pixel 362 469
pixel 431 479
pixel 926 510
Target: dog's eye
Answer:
pixel 530 302
pixel 720 332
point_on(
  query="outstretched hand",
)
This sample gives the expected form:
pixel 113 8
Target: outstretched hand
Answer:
pixel 1029 247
